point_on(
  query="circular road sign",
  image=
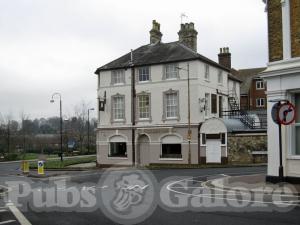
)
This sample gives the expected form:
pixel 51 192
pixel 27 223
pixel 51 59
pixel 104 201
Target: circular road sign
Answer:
pixel 286 113
pixel 274 112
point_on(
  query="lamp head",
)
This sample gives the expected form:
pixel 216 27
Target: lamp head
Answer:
pixel 52 101
pixel 92 109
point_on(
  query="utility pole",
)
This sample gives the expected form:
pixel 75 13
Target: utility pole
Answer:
pixel 133 100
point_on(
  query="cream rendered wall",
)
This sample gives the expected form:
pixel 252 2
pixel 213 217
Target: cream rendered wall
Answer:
pixel 156 86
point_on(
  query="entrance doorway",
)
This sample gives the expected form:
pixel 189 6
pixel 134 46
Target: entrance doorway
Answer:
pixel 213 151
pixel 143 150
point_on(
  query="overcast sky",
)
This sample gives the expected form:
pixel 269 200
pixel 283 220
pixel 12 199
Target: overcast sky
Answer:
pixel 56 45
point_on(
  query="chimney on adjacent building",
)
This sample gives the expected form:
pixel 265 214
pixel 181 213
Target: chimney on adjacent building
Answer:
pixel 225 57
pixel 155 34
pixel 188 35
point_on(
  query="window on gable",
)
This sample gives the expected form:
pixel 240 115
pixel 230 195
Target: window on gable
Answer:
pixel 206 76
pixel 117 77
pixel 144 106
pixel 171 71
pixel 260 84
pixel 118 107
pixel 144 74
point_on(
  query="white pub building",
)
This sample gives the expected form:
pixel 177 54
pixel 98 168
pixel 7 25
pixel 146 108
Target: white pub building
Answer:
pixel 153 102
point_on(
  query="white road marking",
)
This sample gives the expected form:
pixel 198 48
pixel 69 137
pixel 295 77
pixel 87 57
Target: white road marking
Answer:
pixel 212 196
pixel 7 221
pixel 17 213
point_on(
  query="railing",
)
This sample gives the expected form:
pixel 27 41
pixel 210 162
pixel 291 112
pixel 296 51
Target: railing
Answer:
pixel 252 119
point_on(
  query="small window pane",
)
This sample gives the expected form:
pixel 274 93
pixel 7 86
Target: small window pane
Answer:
pixel 118 77
pixel 220 77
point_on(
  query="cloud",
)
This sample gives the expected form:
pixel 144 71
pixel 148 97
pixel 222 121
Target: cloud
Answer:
pixel 56 45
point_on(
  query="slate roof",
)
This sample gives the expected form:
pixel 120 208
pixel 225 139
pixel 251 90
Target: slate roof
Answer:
pixel 158 53
pixel 246 76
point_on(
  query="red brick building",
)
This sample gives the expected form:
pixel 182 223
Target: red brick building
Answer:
pixel 253 87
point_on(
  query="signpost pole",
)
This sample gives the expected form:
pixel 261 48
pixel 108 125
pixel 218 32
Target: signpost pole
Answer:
pixel 280 171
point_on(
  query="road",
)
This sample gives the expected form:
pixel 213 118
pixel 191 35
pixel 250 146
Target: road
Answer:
pixel 176 200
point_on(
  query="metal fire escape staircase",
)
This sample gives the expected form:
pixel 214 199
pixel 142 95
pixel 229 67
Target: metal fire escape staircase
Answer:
pixel 236 112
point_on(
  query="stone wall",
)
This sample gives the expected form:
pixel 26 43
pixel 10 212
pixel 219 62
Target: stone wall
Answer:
pixel 295 27
pixel 240 147
pixel 275 30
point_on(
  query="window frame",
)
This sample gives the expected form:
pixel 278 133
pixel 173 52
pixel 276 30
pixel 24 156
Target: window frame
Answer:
pixel 138 106
pixel 259 100
pixel 120 73
pixel 176 71
pixel 165 117
pixel 113 119
pixel 117 156
pixel 206 72
pixel 139 75
pixel 214 107
pixel 171 158
pixel 220 77
pixel 292 130
pixel 260 85
pixel 207 104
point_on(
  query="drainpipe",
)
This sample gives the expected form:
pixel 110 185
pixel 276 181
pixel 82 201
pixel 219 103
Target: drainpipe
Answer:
pixel 199 127
pixel 133 101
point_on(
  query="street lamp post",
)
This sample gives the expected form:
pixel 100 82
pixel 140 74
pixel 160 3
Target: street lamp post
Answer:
pixel 189 136
pixel 89 129
pixel 60 110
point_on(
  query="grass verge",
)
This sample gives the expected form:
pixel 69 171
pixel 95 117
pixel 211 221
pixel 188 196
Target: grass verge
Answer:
pixel 57 164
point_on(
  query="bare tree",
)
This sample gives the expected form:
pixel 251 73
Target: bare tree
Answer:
pixel 81 115
pixel 23 117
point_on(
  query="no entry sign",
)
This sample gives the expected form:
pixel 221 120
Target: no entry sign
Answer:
pixel 286 113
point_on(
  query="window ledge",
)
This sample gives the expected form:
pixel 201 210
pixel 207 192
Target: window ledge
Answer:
pixel 170 159
pixel 207 80
pixel 118 84
pixel 294 157
pixel 112 157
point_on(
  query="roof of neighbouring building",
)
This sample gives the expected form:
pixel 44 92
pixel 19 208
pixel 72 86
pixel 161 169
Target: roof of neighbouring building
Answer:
pixel 246 76
pixel 158 53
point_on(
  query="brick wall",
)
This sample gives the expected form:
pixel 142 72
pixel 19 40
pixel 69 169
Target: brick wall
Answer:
pixel 295 27
pixel 240 148
pixel 275 30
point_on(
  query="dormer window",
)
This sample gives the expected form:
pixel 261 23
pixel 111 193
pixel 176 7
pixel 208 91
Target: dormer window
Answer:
pixel 117 77
pixel 143 74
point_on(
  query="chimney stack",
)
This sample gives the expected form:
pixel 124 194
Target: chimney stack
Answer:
pixel 188 35
pixel 225 57
pixel 155 34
